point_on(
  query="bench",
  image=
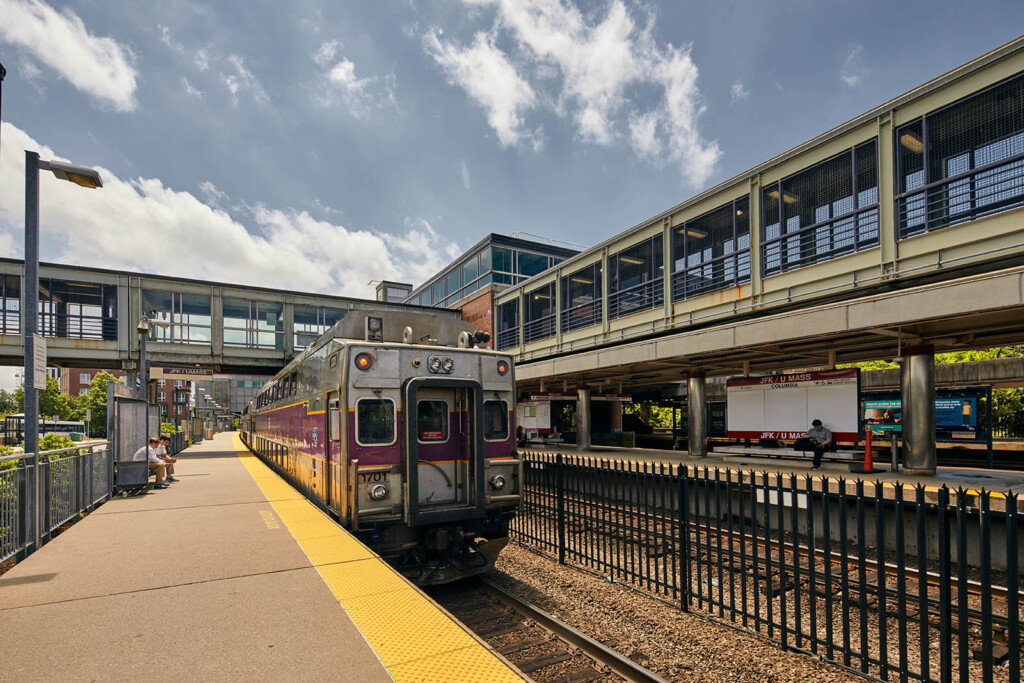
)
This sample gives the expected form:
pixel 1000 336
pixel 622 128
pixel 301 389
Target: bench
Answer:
pixel 845 460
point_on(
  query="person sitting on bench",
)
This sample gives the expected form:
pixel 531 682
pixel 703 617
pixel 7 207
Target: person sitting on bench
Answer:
pixel 818 439
pixel 161 452
pixel 155 463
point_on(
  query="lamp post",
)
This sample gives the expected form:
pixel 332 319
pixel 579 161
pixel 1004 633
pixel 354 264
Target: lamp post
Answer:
pixel 144 330
pixel 80 175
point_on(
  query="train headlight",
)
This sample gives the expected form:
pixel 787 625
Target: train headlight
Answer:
pixel 497 482
pixel 441 365
pixel 364 361
pixel 378 492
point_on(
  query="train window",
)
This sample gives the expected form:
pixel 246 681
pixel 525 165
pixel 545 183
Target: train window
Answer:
pixel 432 420
pixel 334 361
pixel 375 421
pixel 495 420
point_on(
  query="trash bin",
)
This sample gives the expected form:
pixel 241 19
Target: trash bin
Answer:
pixel 77 436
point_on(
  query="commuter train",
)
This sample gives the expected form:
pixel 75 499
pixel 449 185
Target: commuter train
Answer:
pixel 401 427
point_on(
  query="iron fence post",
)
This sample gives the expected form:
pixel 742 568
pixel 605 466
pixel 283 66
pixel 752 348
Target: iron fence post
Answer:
pixel 682 474
pixel 560 502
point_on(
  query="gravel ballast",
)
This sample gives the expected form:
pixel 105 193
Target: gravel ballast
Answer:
pixel 673 644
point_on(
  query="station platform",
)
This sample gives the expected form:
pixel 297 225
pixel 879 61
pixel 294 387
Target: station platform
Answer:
pixel 229 574
pixel 973 480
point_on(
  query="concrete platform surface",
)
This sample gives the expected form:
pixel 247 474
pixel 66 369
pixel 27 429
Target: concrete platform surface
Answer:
pixel 205 580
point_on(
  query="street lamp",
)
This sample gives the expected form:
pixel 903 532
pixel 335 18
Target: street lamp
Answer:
pixel 80 175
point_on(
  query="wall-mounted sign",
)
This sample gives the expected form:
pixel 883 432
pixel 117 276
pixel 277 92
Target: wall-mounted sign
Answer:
pixel 189 374
pixel 38 361
pixel 783 406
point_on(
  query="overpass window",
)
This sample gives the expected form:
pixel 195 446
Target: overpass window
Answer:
pixel 508 324
pixel 962 162
pixel 635 279
pixel 181 318
pixel 312 321
pixel 539 318
pixel 77 310
pixel 712 252
pixel 823 212
pixel 10 304
pixel 437 292
pixel 253 324
pixel 502 261
pixel 581 298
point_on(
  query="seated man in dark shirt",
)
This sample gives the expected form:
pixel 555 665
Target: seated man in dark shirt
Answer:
pixel 818 439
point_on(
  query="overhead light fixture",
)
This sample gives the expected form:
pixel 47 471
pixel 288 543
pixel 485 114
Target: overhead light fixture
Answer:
pixel 786 197
pixel 693 232
pixel 912 142
pixel 581 281
pixel 631 261
pixel 541 296
pixel 739 212
pixel 79 175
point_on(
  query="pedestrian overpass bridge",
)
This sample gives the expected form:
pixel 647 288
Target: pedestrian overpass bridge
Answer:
pixel 90 317
pixel 897 234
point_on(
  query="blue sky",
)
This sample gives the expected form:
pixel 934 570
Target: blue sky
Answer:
pixel 320 145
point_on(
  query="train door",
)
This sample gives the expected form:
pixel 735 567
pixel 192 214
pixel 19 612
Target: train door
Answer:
pixel 332 453
pixel 444 452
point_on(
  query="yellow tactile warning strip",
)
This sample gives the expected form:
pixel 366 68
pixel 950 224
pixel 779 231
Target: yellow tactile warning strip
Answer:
pixel 414 639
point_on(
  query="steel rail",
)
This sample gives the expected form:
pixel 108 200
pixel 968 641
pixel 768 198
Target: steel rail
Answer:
pixel 616 663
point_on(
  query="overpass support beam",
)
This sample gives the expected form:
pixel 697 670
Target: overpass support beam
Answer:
pixel 917 386
pixel 583 421
pixel 697 410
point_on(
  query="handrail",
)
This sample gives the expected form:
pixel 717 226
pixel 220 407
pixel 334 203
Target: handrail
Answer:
pixel 22 456
pixel 991 166
pixel 813 226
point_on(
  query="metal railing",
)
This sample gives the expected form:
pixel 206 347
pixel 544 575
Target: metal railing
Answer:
pixel 508 338
pixel 641 297
pixel 712 275
pixel 35 499
pixel 582 315
pixel 541 328
pixel 888 581
pixel 822 241
pixel 988 189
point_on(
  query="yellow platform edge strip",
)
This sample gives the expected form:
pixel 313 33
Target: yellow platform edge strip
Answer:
pixel 414 638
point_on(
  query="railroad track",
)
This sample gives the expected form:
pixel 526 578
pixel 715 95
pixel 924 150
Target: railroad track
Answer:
pixel 539 645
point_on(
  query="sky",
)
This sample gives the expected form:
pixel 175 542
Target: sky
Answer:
pixel 318 146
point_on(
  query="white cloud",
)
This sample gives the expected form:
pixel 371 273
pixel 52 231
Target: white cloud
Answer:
pixel 97 66
pixel 591 67
pixel 165 38
pixel 129 224
pixel 487 76
pixel 189 89
pixel 853 70
pixel 738 92
pixel 201 59
pixel 340 84
pixel 244 80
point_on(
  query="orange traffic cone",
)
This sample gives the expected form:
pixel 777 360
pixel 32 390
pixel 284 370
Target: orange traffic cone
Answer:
pixel 868 465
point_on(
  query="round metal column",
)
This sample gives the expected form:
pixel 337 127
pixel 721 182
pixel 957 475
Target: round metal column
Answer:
pixel 917 384
pixel 696 414
pixel 583 419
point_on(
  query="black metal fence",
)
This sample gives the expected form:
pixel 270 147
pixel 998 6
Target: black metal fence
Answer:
pixel 890 581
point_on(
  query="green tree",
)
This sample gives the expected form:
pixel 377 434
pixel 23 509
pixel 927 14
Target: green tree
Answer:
pixel 51 401
pixel 96 401
pixel 8 403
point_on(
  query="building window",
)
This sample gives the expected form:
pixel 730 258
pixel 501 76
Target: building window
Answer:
pixel 820 213
pixel 712 251
pixel 539 314
pixel 963 161
pixel 77 310
pixel 312 321
pixel 83 390
pixel 531 264
pixel 581 298
pixel 635 281
pixel 84 378
pixel 508 324
pixel 10 304
pixel 253 324
pixel 161 396
pixel 161 383
pixel 181 318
